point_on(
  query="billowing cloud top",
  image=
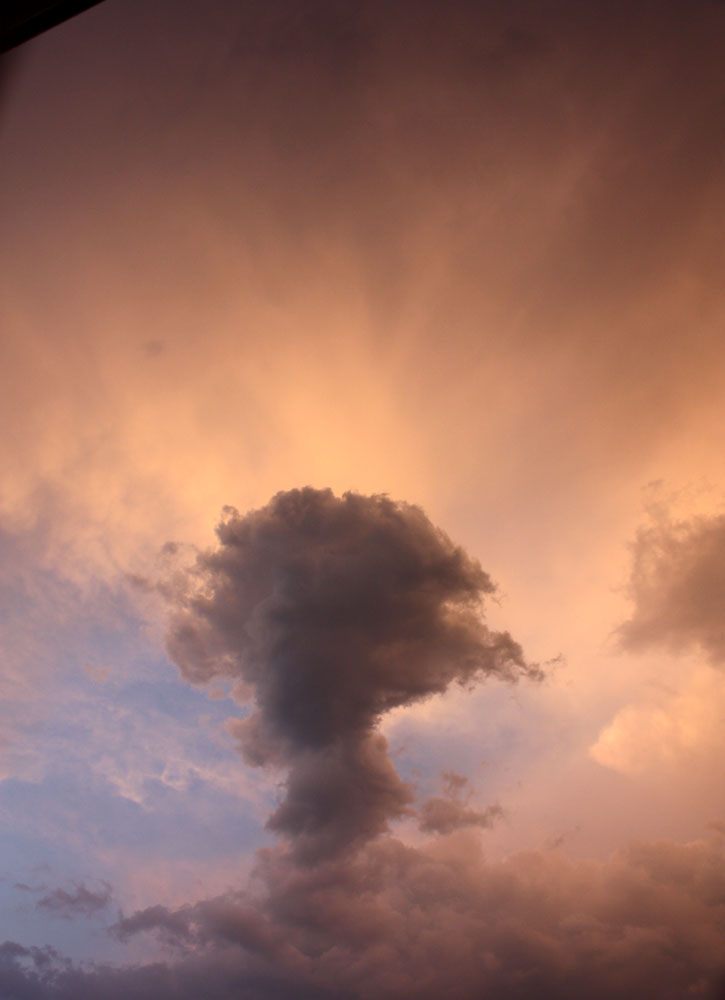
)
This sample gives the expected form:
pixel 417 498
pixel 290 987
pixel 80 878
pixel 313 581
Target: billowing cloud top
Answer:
pixel 332 611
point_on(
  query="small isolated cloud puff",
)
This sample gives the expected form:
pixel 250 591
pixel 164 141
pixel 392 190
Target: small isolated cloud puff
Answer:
pixel 443 815
pixel 332 611
pixel 80 901
pixel 677 585
pixel 451 811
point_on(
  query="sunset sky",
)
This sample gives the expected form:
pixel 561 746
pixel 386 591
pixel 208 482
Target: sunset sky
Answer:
pixel 362 507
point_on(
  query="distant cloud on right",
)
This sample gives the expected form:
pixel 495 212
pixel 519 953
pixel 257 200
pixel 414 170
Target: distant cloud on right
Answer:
pixel 677 584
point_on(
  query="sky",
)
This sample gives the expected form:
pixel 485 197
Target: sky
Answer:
pixel 362 521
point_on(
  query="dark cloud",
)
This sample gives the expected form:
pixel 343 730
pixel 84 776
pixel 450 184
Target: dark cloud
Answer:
pixel 677 585
pixel 79 901
pixel 332 611
pixel 394 921
pixel 27 973
pixel 11 950
pixel 411 922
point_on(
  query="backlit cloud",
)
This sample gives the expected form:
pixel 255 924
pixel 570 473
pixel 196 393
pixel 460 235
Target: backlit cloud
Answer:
pixel 332 611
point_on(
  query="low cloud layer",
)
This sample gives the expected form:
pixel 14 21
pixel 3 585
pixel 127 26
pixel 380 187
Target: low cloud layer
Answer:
pixel 396 921
pixel 329 612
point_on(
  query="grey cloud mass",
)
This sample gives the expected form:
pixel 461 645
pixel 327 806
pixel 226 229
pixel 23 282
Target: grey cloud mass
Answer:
pixel 329 612
pixel 332 611
pixel 394 921
pixel 677 585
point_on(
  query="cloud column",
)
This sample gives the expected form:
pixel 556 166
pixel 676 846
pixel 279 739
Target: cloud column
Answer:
pixel 330 612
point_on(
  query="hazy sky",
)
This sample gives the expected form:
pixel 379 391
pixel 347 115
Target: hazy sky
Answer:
pixel 362 511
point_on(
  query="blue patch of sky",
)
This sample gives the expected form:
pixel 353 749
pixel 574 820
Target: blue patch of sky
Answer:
pixel 117 757
pixel 491 738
